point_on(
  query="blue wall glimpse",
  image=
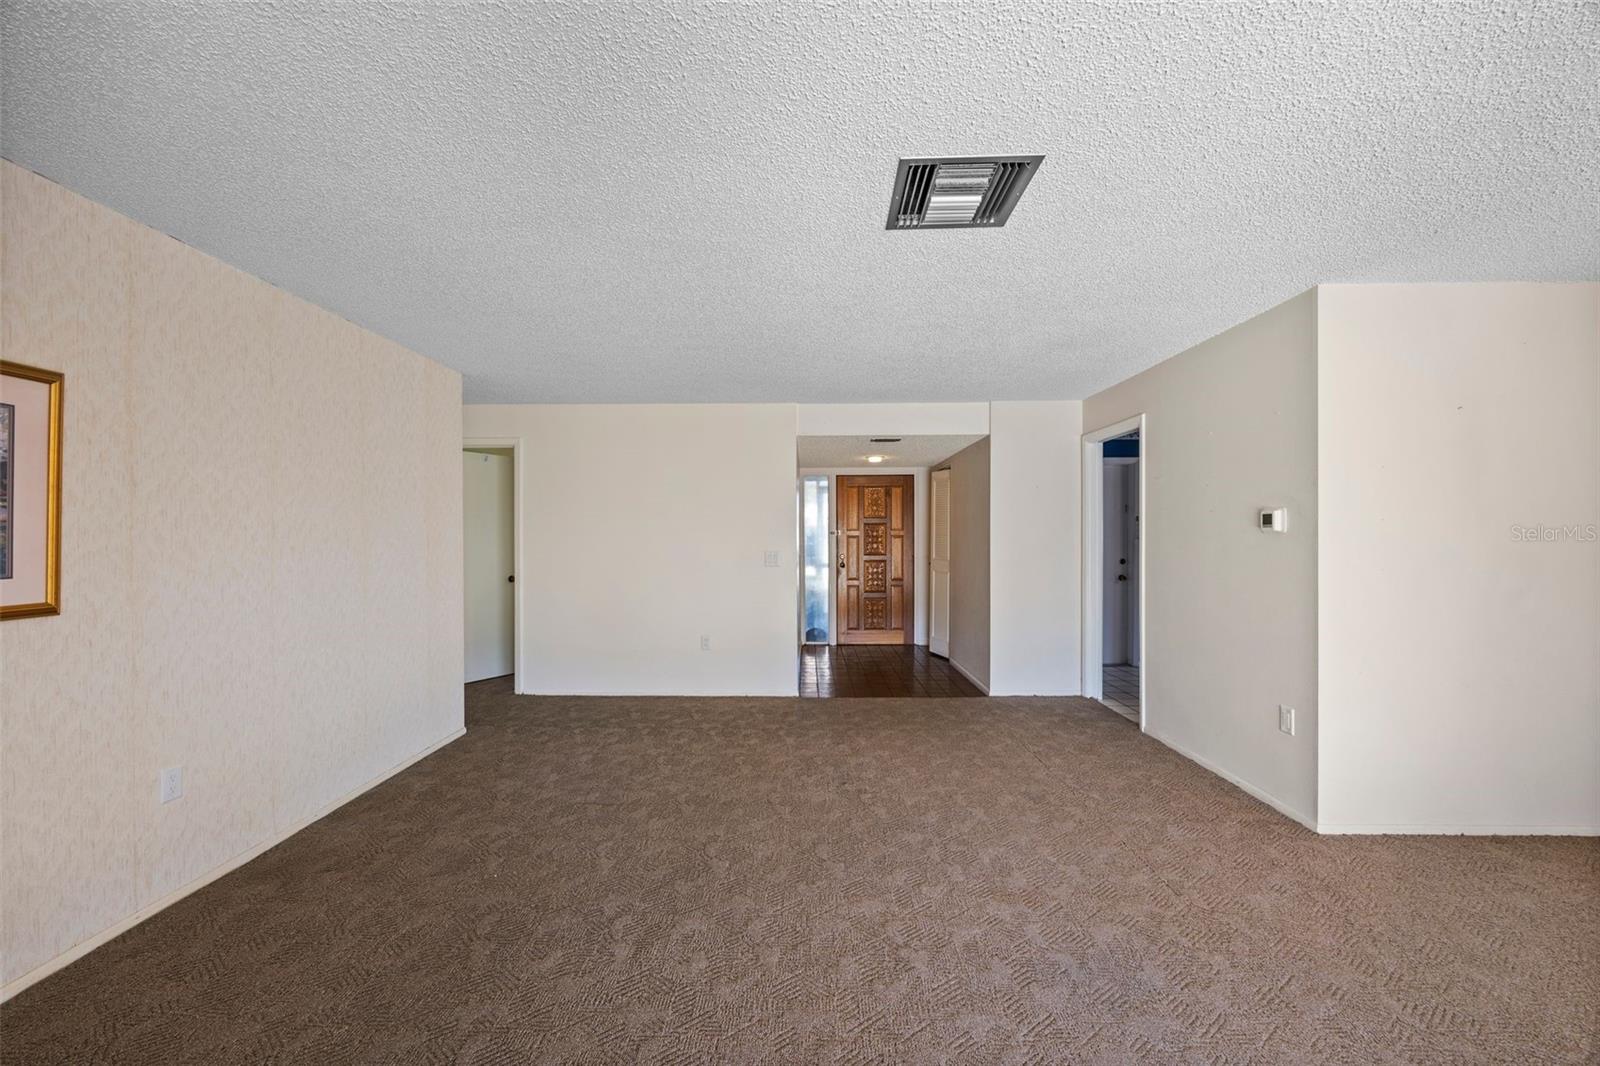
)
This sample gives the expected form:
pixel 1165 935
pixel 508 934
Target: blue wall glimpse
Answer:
pixel 1122 448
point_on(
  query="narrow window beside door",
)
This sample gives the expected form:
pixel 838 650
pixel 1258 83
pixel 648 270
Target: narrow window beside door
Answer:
pixel 814 512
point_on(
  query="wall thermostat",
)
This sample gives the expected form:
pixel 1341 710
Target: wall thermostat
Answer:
pixel 1275 521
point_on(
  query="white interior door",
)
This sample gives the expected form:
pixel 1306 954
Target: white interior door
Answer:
pixel 489 550
pixel 939 564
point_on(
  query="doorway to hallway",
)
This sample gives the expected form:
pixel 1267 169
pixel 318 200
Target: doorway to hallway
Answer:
pixel 1119 643
pixel 1113 572
pixel 869 509
pixel 488 485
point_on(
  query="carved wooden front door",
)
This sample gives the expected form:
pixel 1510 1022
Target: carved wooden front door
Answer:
pixel 875 586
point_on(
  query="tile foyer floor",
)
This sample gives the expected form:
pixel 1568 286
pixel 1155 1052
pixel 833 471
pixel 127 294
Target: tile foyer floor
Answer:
pixel 904 670
pixel 1120 688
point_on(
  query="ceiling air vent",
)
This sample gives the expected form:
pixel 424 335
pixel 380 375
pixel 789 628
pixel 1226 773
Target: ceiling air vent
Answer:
pixel 959 191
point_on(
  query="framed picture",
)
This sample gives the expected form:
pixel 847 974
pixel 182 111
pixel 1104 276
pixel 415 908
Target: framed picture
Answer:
pixel 30 491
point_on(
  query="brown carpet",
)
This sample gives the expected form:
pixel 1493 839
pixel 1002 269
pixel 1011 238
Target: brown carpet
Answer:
pixel 633 880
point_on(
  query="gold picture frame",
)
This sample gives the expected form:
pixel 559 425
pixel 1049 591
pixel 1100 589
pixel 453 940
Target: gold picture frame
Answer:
pixel 51 602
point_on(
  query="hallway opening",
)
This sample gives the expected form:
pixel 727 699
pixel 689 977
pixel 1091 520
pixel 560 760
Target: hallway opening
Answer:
pixel 880 518
pixel 489 554
pixel 1113 568
pixel 1119 640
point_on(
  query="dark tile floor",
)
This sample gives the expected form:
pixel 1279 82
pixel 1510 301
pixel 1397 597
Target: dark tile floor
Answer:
pixel 879 670
pixel 1121 690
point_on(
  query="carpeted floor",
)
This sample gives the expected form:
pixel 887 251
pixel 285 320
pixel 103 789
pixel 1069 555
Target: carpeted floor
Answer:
pixel 746 880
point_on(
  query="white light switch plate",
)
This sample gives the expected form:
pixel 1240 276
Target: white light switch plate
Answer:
pixel 1286 719
pixel 171 784
pixel 772 558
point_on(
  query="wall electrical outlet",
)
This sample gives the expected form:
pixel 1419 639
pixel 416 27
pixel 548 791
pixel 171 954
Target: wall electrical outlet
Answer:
pixel 171 784
pixel 705 643
pixel 1286 719
pixel 773 558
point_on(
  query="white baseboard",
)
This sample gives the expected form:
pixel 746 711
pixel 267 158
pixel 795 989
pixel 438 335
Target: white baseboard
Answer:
pixel 1460 830
pixel 964 672
pixel 1238 782
pixel 82 948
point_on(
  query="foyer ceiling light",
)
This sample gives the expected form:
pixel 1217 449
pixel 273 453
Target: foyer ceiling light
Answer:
pixel 876 458
pixel 959 191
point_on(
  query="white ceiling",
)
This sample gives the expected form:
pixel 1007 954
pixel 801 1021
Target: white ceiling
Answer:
pixel 828 453
pixel 636 201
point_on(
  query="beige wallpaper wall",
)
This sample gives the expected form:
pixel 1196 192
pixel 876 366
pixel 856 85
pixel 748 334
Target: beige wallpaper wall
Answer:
pixel 261 572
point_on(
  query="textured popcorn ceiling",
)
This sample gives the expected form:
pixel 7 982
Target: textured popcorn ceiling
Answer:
pixel 656 201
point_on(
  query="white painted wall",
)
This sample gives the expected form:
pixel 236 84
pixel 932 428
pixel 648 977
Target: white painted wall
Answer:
pixel 891 419
pixel 1035 539
pixel 627 579
pixel 645 526
pixel 489 550
pixel 261 572
pixel 919 541
pixel 1460 674
pixel 969 562
pixel 1230 626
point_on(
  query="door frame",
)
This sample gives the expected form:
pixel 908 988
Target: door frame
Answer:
pixel 518 588
pixel 1093 540
pixel 909 581
pixel 921 489
pixel 933 572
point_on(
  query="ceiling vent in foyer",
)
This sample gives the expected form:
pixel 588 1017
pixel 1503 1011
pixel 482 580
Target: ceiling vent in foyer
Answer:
pixel 959 192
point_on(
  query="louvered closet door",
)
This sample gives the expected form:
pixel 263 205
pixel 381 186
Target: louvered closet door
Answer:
pixel 875 586
pixel 939 564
